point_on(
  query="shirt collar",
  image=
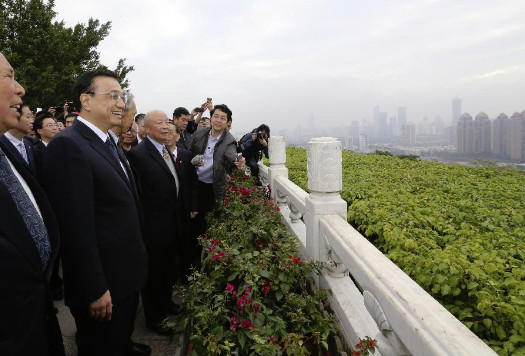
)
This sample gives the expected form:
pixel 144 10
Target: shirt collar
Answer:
pixel 103 135
pixel 157 145
pixel 12 139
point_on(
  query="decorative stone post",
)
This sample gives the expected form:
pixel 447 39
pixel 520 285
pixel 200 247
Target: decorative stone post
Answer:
pixel 277 153
pixel 325 180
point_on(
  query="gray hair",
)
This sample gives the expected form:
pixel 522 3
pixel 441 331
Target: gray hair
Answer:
pixel 128 100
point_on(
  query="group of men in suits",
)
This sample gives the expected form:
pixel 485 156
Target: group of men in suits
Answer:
pixel 118 217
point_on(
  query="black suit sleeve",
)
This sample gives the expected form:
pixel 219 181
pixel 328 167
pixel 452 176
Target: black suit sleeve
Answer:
pixel 69 183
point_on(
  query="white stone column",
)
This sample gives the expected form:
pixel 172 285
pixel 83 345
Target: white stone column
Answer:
pixel 325 180
pixel 277 153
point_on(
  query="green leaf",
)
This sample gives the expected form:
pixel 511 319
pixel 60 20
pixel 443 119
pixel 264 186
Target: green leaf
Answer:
pixel 218 332
pixel 278 295
pixel 264 273
pixel 242 340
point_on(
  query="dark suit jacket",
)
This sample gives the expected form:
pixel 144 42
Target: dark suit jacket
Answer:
pixel 189 183
pixel 38 153
pixel 28 325
pixel 184 141
pixel 96 209
pixel 16 154
pixel 157 190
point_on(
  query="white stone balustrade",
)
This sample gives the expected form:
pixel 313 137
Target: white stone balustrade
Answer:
pixel 385 304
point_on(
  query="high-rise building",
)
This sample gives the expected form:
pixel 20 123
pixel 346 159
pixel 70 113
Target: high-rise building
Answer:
pixel 409 134
pixel 517 137
pixel 363 143
pixel 456 110
pixel 500 136
pixel 401 115
pixel 465 134
pixel 482 134
pixel 354 130
pixel 382 124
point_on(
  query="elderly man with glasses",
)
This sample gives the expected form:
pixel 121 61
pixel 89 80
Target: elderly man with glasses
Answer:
pixel 93 193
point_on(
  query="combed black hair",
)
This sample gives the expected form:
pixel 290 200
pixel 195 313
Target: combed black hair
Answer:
pixel 85 84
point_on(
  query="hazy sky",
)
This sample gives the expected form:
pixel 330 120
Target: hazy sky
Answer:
pixel 280 62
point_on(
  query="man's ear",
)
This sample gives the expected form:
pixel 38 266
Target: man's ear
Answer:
pixel 85 102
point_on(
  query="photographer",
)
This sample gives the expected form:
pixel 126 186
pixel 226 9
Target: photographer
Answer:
pixel 253 144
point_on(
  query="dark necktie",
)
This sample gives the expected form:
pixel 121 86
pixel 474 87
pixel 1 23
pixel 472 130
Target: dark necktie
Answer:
pixel 32 219
pixel 113 149
pixel 177 162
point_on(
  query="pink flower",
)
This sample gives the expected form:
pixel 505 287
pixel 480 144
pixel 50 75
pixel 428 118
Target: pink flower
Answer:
pixel 218 256
pixel 246 324
pixel 234 294
pixel 241 304
pixel 213 245
pixel 233 323
pixel 247 291
pixel 229 287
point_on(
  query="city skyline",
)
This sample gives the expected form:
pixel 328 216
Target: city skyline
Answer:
pixel 282 64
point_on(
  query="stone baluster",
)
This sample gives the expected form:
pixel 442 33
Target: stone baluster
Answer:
pixel 324 181
pixel 277 153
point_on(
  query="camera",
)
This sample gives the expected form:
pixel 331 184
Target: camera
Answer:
pixel 199 109
pixel 208 100
pixel 260 135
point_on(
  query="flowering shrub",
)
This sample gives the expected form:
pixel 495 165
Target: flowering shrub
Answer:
pixel 253 295
pixel 365 347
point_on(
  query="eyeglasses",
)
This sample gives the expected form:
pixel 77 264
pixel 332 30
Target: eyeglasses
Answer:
pixel 49 126
pixel 114 95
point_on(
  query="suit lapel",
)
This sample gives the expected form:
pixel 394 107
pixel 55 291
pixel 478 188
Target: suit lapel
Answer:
pixel 157 157
pixel 98 145
pixel 8 146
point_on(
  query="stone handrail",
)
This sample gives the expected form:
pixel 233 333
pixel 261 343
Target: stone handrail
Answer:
pixel 370 295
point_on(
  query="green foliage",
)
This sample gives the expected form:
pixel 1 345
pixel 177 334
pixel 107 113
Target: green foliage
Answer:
pixel 253 293
pixel 459 232
pixel 47 55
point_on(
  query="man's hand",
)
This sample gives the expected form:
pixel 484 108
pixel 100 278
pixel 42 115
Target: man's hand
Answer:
pixel 240 162
pixel 102 308
pixel 263 142
pixel 193 214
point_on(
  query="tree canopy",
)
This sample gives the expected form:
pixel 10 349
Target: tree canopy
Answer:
pixel 47 55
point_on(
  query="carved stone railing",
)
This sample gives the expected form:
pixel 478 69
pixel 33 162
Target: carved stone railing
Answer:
pixel 370 295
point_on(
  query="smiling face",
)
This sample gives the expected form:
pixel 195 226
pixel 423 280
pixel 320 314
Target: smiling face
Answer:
pixel 156 123
pixel 11 94
pixel 219 121
pixel 100 107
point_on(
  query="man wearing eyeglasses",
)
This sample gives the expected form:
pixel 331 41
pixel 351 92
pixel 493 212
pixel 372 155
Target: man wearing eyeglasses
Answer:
pixel 93 194
pixel 45 128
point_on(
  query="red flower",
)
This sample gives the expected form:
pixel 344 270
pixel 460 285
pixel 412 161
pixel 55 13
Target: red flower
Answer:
pixel 247 291
pixel 229 287
pixel 218 256
pixel 234 189
pixel 266 287
pixel 356 353
pixel 226 201
pixel 234 294
pixel 258 241
pixel 246 324
pixel 278 209
pixel 296 260
pixel 233 323
pixel 272 339
pixel 372 343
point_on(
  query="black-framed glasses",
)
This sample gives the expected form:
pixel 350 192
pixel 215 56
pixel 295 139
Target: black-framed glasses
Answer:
pixel 114 95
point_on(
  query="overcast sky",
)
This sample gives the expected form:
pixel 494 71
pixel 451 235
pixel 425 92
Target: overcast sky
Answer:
pixel 280 62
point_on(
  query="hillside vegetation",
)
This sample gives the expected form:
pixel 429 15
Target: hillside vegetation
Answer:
pixel 458 232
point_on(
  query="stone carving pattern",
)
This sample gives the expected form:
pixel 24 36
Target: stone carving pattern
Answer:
pixel 295 215
pixel 280 198
pixel 324 166
pixel 377 313
pixel 336 268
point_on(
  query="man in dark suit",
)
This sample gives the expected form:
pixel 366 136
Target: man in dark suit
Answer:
pixel 92 192
pixel 15 143
pixel 190 251
pixel 28 244
pixel 159 189
pixel 45 128
pixel 181 116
